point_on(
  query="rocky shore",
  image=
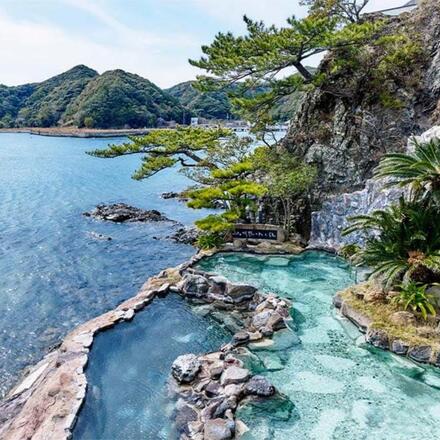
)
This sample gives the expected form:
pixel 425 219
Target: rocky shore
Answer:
pixel 388 328
pixel 45 404
pixel 77 132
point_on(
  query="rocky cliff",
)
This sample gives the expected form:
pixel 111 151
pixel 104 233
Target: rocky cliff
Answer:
pixel 345 125
pixel 331 219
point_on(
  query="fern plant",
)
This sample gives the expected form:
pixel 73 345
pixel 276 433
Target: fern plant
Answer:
pixel 419 170
pixel 413 295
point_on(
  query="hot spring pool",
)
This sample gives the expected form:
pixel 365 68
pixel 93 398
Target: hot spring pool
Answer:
pixel 129 366
pixel 337 387
pixel 340 388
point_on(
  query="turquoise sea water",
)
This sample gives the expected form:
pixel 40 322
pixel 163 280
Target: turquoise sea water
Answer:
pixel 53 273
pixel 338 387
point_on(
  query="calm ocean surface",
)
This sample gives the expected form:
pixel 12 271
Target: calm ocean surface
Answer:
pixel 53 273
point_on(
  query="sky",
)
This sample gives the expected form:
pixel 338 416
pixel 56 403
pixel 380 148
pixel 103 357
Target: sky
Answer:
pixel 153 38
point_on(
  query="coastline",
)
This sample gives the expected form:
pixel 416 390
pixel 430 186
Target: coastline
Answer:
pixel 45 403
pixel 78 132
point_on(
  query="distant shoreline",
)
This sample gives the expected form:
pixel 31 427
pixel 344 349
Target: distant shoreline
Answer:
pixel 77 132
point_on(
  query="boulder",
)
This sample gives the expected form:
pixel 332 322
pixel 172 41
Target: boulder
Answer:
pixel 378 338
pixel 185 414
pixel 399 347
pixel 241 338
pixel 259 386
pixel 421 353
pixel 185 235
pixel 234 375
pixel 194 285
pixel 185 368
pixel 276 321
pixel 360 320
pixel 213 389
pixel 218 429
pixel 403 318
pixel 240 292
pixel 261 319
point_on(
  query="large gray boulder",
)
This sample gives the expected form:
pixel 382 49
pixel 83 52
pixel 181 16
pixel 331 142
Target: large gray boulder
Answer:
pixel 234 375
pixel 185 368
pixel 240 292
pixel 259 386
pixel 218 429
pixel 194 285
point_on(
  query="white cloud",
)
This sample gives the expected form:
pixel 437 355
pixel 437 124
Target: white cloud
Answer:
pixel 34 51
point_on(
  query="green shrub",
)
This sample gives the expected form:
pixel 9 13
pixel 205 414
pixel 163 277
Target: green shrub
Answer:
pixel 413 295
pixel 349 250
pixel 210 241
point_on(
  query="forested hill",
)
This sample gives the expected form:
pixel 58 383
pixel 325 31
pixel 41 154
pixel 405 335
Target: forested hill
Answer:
pixel 81 97
pixel 211 105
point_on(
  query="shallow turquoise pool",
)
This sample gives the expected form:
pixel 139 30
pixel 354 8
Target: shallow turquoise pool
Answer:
pixel 339 387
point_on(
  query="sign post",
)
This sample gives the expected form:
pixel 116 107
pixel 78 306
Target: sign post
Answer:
pixel 259 232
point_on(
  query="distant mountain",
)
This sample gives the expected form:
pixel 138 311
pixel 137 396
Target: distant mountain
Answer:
pixel 116 99
pixel 81 97
pixel 211 105
pixel 43 104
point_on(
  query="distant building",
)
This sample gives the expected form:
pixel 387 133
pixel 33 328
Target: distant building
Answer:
pixel 194 121
pixel 407 7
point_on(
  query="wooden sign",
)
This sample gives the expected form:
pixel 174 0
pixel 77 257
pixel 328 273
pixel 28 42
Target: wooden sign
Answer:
pixel 258 232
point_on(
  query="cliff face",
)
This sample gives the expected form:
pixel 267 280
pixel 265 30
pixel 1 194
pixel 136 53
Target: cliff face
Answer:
pixel 331 219
pixel 344 127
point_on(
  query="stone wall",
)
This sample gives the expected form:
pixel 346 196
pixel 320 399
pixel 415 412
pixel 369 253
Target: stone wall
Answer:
pixel 328 223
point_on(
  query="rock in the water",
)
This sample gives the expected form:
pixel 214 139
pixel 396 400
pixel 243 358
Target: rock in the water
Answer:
pixel 185 368
pixel 121 213
pixel 218 429
pixel 194 285
pixel 234 375
pixel 420 353
pixel 184 415
pixel 240 292
pixel 261 319
pixel 259 386
pixel 378 338
pixel 185 235
pixel 241 337
pixel 399 347
pixel 174 195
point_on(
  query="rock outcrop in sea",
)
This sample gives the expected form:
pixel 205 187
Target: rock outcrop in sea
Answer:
pixel 122 213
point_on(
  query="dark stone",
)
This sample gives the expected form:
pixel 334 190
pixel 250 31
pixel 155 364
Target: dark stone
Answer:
pixel 266 331
pixel 337 301
pixel 276 321
pixel 184 415
pixel 241 338
pixel 185 235
pixel 259 386
pixel 399 347
pixel 185 368
pixel 194 285
pixel 240 292
pixel 421 353
pixel 378 338
pixel 121 213
pixel 212 389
